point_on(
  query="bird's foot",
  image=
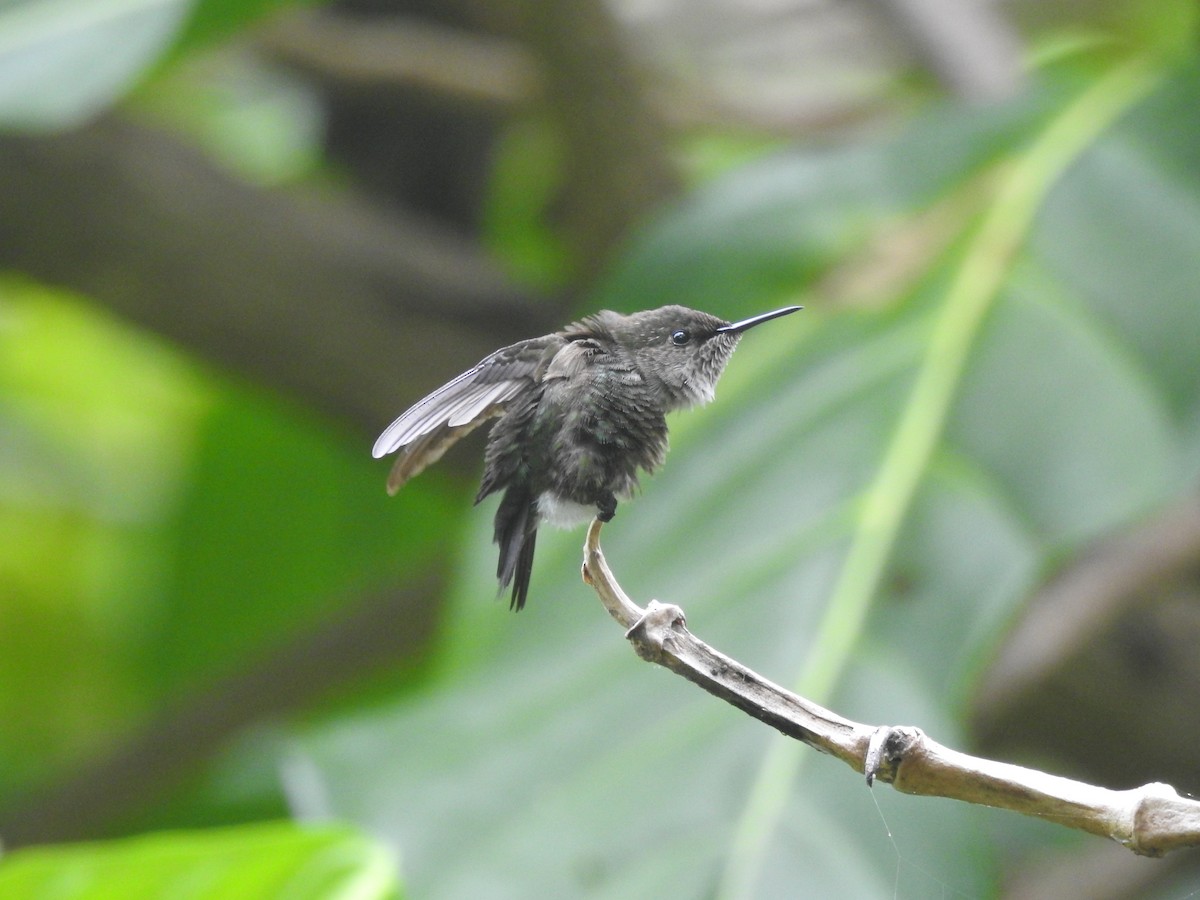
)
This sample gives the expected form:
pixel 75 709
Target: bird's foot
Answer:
pixel 606 508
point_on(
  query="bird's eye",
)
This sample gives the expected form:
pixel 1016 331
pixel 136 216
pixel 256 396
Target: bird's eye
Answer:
pixel 679 338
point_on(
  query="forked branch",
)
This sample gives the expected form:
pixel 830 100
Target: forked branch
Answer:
pixel 1149 820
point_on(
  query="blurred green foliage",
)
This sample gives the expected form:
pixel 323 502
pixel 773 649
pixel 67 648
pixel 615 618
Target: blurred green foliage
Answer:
pixel 1073 410
pixel 100 429
pixel 161 523
pixel 272 860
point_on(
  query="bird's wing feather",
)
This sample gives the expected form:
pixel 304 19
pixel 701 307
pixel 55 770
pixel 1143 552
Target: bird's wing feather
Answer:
pixel 425 451
pixel 426 430
pixel 477 401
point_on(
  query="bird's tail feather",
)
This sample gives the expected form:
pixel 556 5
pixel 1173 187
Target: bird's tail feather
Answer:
pixel 516 533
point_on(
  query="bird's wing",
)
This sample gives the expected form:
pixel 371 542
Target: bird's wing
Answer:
pixel 425 431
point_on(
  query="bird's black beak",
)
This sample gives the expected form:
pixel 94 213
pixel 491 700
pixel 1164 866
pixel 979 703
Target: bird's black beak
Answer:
pixel 738 327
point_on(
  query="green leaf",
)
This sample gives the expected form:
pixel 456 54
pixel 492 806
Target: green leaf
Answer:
pixel 866 506
pixel 280 518
pixel 269 861
pixel 213 20
pixel 161 526
pixel 98 422
pixel 62 61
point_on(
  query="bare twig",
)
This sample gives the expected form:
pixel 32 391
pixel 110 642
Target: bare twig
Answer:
pixel 1149 820
pixel 451 63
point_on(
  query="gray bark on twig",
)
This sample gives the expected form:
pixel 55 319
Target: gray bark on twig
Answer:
pixel 1150 820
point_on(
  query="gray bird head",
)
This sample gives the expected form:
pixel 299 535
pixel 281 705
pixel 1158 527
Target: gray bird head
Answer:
pixel 683 350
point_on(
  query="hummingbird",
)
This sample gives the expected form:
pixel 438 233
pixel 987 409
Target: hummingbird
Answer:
pixel 580 413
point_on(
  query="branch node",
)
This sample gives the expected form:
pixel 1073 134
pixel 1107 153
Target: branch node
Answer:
pixel 654 633
pixel 886 750
pixel 1162 821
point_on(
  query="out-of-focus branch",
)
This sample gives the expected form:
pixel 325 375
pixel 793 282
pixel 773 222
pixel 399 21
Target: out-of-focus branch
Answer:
pixel 1150 820
pixel 1085 598
pixel 570 56
pixel 451 63
pixel 617 162
pixel 464 68
pixel 349 308
pixel 967 44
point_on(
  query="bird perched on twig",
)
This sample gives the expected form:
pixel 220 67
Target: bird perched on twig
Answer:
pixel 580 413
